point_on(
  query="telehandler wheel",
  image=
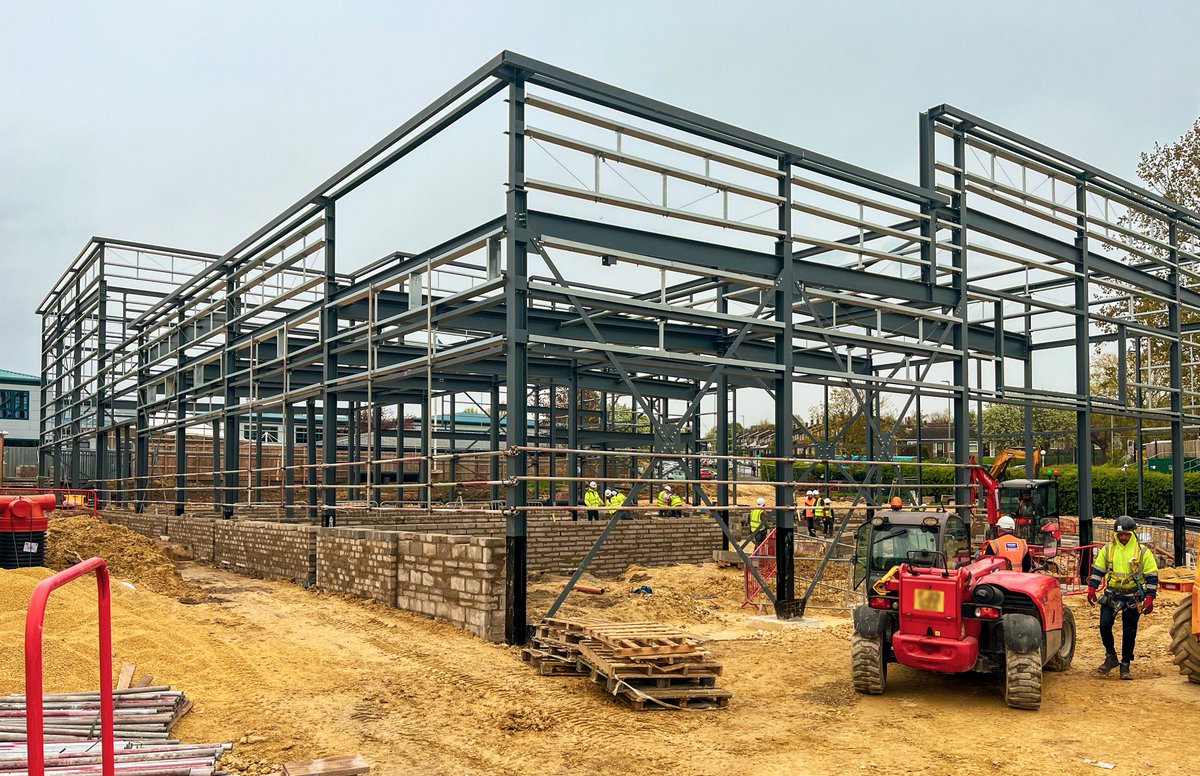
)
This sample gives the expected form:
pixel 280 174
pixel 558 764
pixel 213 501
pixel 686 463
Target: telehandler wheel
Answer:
pixel 1184 648
pixel 1022 678
pixel 868 668
pixel 1061 660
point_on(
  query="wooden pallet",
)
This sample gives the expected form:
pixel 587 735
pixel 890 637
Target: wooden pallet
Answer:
pixel 627 639
pixel 646 699
pixel 602 658
pixel 550 664
pixel 644 664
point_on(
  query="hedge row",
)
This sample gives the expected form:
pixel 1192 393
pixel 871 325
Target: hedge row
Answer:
pixel 1114 492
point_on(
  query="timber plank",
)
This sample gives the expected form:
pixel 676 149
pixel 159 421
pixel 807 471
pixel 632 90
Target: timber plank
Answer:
pixel 126 675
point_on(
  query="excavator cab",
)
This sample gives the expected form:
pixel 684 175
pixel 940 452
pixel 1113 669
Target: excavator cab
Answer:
pixel 1033 505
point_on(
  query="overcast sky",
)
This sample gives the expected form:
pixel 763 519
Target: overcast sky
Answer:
pixel 192 124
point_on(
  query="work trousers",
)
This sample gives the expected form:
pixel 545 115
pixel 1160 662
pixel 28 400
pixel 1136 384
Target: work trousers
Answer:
pixel 593 514
pixel 1129 625
pixel 810 521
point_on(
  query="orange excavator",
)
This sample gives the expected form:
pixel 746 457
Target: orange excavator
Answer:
pixel 1033 503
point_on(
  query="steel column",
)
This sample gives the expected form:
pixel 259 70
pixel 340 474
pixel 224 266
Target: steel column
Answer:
pixel 516 291
pixel 329 398
pixel 786 606
pixel 1083 377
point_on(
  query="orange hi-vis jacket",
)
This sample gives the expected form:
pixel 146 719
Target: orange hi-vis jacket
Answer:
pixel 1008 546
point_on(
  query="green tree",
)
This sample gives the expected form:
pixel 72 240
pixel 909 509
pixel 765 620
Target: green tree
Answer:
pixel 1172 171
pixel 843 407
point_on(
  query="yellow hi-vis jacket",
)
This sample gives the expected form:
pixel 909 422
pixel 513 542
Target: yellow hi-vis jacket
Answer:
pixel 756 518
pixel 615 502
pixel 664 498
pixel 676 500
pixel 591 497
pixel 1124 567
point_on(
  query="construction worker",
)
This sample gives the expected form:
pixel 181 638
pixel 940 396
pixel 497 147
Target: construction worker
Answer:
pixel 827 518
pixel 1006 545
pixel 664 501
pixel 613 499
pixel 676 505
pixel 758 525
pixel 1130 575
pixel 1025 514
pixel 810 509
pixel 592 500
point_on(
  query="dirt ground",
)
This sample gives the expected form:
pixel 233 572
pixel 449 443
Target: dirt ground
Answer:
pixel 290 674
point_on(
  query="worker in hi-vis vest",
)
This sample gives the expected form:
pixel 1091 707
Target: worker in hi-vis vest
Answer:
pixel 1008 545
pixel 613 499
pixel 592 500
pixel 1130 574
pixel 758 523
pixel 667 500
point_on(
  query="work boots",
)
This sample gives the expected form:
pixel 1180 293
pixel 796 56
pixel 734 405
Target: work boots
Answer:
pixel 1125 671
pixel 1110 662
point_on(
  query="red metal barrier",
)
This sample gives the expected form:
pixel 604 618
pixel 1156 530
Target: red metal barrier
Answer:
pixel 34 621
pixel 1066 566
pixel 764 556
pixel 90 497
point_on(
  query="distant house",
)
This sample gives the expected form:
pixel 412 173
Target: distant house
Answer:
pixel 20 416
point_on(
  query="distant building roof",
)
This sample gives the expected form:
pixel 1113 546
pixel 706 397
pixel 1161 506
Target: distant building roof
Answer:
pixel 9 376
pixel 474 419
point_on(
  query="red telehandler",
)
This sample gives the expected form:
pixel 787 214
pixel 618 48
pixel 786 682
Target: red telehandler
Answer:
pixel 929 606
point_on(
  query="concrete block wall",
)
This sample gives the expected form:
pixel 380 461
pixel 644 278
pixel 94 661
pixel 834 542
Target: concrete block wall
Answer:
pixel 560 545
pixel 357 562
pixel 272 550
pixel 197 534
pixel 459 579
pixel 147 523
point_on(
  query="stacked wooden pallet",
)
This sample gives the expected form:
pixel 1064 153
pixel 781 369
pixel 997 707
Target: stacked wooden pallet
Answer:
pixel 644 664
pixel 554 648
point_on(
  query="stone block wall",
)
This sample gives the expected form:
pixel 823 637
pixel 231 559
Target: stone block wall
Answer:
pixel 561 545
pixel 459 579
pixel 197 534
pixel 272 550
pixel 147 523
pixel 357 562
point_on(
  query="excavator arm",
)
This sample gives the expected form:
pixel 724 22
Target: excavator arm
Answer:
pixel 1006 456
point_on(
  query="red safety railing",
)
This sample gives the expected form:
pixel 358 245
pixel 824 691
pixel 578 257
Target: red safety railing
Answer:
pixel 68 497
pixel 764 557
pixel 34 621
pixel 1065 566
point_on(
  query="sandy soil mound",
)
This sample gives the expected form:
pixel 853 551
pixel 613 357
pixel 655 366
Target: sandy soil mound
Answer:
pixel 130 556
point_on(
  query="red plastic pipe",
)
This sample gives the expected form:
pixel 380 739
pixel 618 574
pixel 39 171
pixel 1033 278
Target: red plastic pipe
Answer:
pixel 34 621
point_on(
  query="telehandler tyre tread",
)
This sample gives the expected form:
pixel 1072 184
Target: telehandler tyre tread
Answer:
pixel 1023 679
pixel 1185 650
pixel 1061 660
pixel 867 666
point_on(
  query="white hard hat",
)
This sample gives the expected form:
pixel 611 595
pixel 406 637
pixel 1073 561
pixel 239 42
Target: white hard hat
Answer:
pixel 667 488
pixel 827 501
pixel 608 492
pixel 812 492
pixel 761 501
pixel 592 484
pixel 1006 523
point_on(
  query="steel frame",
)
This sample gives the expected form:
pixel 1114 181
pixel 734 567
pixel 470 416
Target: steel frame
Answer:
pixel 757 265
